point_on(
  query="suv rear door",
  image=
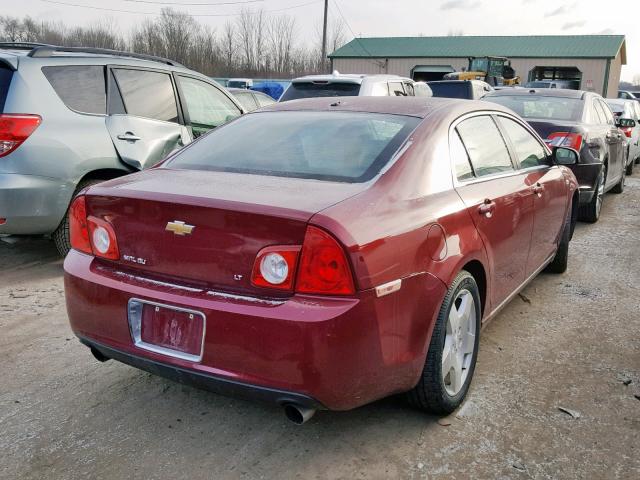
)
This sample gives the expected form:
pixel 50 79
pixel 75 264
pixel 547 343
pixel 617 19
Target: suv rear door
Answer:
pixel 143 119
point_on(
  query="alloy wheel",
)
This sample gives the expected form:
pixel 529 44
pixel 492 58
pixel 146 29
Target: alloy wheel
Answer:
pixel 459 343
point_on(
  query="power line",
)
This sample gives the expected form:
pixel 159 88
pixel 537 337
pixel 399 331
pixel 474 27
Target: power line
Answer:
pixel 379 63
pixel 67 4
pixel 193 4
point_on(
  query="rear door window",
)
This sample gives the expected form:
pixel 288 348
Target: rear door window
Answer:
pixel 409 89
pixel 486 148
pixel 6 74
pixel 528 150
pixel 263 100
pixel 148 94
pixel 208 107
pixel 606 111
pixel 80 87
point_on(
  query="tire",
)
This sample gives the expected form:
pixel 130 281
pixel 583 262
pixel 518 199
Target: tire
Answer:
pixel 590 212
pixel 630 167
pixel 619 187
pixel 61 236
pixel 434 393
pixel 561 260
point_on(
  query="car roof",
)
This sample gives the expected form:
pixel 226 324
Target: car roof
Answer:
pixel 419 107
pixel 337 77
pixel 543 92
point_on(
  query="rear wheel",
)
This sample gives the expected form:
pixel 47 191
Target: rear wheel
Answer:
pixel 630 167
pixel 453 350
pixel 591 211
pixel 61 236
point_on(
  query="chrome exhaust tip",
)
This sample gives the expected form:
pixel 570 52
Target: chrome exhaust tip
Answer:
pixel 298 414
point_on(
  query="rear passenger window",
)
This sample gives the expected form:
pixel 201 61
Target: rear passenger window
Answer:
pixel 148 94
pixel 5 80
pixel 80 87
pixel 607 112
pixel 484 143
pixel 528 150
pixel 409 89
pixel 461 164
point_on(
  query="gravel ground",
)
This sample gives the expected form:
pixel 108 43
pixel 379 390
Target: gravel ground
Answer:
pixel 568 341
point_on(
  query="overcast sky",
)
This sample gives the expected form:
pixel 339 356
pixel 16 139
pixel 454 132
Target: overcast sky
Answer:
pixel 381 17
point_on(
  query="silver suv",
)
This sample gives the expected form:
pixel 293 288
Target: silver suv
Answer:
pixel 350 85
pixel 71 117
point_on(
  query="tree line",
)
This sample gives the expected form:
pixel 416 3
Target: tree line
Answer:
pixel 254 44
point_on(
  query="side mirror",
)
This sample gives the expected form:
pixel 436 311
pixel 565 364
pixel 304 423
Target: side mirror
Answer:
pixel 626 123
pixel 565 156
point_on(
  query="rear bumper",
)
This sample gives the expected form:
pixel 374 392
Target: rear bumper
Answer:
pixel 339 353
pixel 32 204
pixel 212 383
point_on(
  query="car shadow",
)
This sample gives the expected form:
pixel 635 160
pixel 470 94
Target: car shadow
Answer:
pixel 28 259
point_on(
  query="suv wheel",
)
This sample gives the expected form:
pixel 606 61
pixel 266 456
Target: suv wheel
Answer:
pixel 61 235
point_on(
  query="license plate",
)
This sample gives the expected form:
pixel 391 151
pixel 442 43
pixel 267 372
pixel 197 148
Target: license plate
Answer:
pixel 168 330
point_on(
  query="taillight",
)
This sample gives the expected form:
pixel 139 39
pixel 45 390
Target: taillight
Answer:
pixel 319 267
pixel 103 239
pixel 627 131
pixel 565 139
pixel 15 129
pixel 323 266
pixel 90 234
pixel 78 228
pixel 275 267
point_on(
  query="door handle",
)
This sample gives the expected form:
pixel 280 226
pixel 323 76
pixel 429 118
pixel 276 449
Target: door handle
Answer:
pixel 128 136
pixel 538 189
pixel 487 208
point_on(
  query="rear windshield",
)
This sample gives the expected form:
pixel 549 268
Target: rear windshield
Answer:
pixel 538 85
pixel 5 80
pixel 333 146
pixel 451 90
pixel 615 108
pixel 311 90
pixel 536 106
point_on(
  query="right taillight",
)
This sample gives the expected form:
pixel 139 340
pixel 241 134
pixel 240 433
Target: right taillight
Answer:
pixel 323 268
pixel 78 227
pixel 319 267
pixel 628 131
pixel 565 139
pixel 15 129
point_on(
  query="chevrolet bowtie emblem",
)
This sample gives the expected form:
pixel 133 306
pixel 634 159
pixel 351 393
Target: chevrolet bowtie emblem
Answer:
pixel 179 228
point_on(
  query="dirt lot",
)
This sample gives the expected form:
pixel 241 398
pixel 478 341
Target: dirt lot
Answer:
pixel 569 341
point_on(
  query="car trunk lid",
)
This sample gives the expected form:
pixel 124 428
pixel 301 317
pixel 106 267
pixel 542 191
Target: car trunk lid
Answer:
pixel 233 217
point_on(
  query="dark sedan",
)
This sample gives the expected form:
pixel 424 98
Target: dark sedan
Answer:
pixel 580 120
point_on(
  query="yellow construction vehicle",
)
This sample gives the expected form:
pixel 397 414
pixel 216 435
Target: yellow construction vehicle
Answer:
pixel 493 70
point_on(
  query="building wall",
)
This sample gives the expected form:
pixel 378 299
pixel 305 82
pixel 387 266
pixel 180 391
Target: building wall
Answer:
pixel 593 70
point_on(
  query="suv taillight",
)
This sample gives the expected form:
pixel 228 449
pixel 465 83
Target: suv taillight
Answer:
pixel 15 129
pixel 319 267
pixel 90 234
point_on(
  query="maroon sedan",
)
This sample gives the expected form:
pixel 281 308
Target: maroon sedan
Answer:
pixel 322 253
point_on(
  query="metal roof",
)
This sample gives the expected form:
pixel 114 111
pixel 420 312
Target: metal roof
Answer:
pixel 536 46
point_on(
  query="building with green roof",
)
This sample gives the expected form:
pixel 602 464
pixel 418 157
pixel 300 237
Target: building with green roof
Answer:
pixel 591 62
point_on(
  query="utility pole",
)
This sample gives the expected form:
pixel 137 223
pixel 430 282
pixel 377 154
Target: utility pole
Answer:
pixel 324 35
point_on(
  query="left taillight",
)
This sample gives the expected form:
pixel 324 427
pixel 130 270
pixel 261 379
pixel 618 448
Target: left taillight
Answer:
pixel 78 227
pixel 15 129
pixel 91 234
pixel 628 131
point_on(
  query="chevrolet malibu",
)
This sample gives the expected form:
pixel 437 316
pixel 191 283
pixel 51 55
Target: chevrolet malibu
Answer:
pixel 323 253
